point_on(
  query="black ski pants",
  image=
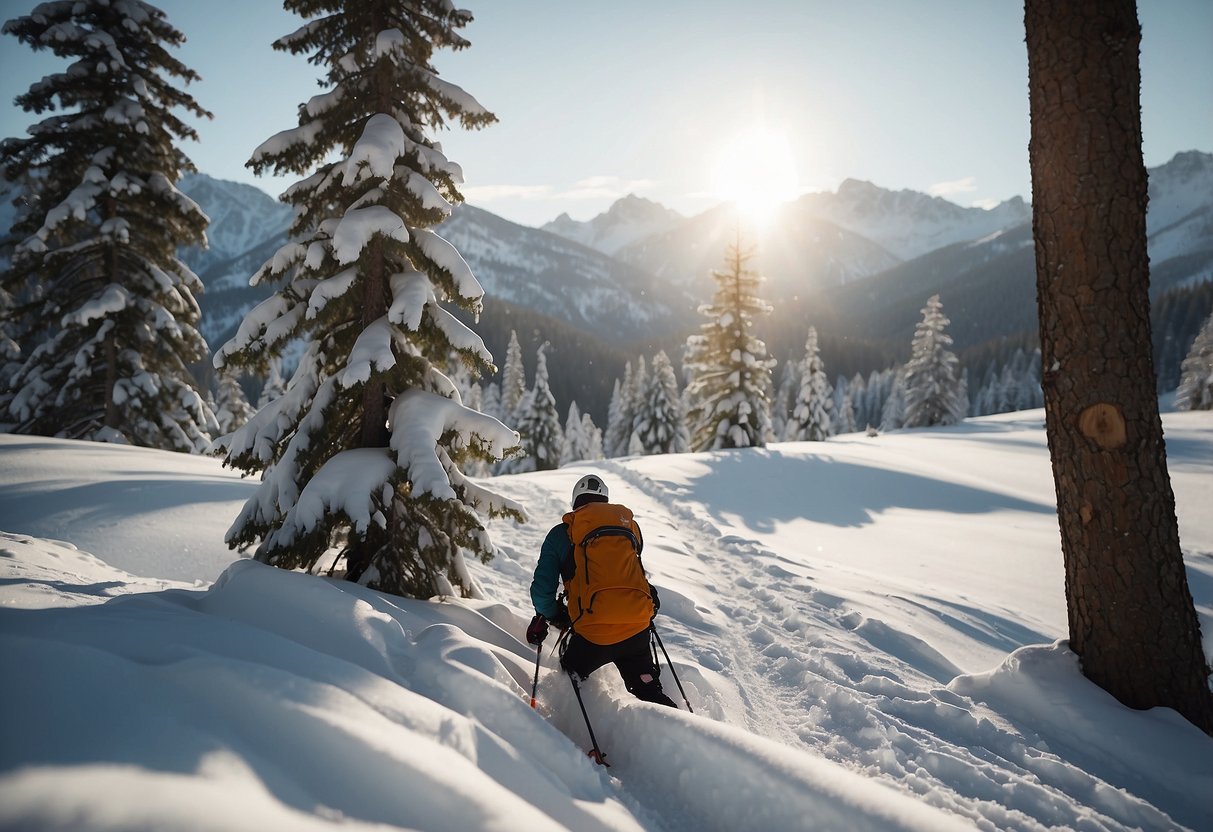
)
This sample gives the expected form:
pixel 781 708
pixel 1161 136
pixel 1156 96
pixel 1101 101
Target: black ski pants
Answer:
pixel 633 658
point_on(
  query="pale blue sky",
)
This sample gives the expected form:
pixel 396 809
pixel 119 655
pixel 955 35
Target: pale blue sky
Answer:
pixel 596 100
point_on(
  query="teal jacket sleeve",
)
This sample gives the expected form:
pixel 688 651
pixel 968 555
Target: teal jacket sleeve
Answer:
pixel 555 551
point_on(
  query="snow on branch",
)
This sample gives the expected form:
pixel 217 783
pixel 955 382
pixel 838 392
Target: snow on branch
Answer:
pixel 448 258
pixel 382 142
pixel 347 485
pixel 389 41
pixel 271 423
pixel 317 105
pixel 418 420
pixel 113 298
pixel 425 192
pixel 467 104
pixel 457 333
pixel 411 291
pixel 266 324
pixel 279 143
pixel 327 289
pixel 479 497
pixel 359 225
pixel 372 351
pixel 429 159
pixel 161 185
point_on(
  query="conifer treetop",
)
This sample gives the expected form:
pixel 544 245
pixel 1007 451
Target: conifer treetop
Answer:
pixel 111 325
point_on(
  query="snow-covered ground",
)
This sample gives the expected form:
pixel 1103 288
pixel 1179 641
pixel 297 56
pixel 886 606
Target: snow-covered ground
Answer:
pixel 869 630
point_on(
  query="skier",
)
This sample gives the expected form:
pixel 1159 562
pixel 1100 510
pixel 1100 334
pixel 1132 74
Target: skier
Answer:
pixel 596 550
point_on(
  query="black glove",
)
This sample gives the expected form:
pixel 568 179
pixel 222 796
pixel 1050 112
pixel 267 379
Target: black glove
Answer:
pixel 561 620
pixel 656 598
pixel 538 631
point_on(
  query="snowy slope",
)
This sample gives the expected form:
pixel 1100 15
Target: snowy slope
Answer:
pixel 908 223
pixel 1180 220
pixel 795 254
pixel 627 220
pixel 866 627
pixel 242 217
pixel 563 279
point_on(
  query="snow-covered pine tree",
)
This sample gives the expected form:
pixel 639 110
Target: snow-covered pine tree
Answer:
pixel 10 352
pixel 582 438
pixel 361 456
pixel 620 414
pixel 934 392
pixel 574 446
pixel 893 411
pixel 660 421
pixel 539 424
pixel 593 436
pixel 635 446
pixel 513 380
pixel 842 386
pixel 107 312
pixel 880 384
pixel 491 396
pixel 1196 373
pixel 275 384
pixel 781 407
pixel 473 466
pixel 845 423
pixel 858 389
pixel 232 408
pixel 640 382
pixel 811 418
pixel 730 388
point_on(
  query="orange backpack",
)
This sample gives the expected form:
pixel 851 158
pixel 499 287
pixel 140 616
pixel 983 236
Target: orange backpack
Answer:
pixel 609 598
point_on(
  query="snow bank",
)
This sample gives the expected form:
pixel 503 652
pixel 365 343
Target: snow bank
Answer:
pixel 292 695
pixel 835 634
pixel 1042 690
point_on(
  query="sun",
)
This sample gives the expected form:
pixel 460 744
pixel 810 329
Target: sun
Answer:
pixel 756 170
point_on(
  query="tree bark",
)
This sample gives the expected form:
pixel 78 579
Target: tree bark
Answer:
pixel 1131 616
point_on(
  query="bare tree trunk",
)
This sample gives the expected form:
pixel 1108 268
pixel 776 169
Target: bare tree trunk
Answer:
pixel 1131 616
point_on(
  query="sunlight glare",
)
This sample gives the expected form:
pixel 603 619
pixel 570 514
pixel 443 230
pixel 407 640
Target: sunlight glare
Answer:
pixel 756 170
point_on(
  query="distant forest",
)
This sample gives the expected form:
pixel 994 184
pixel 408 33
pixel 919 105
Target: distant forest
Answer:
pixel 583 368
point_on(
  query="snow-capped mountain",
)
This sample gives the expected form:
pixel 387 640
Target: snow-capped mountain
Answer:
pixel 909 224
pixel 1180 188
pixel 247 227
pixel 516 264
pixel 242 217
pixel 652 284
pixel 1179 220
pixel 824 240
pixel 626 221
pixel 563 279
pixel 796 254
pixel 988 288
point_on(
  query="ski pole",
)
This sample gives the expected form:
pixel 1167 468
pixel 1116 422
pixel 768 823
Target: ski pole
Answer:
pixel 653 627
pixel 535 684
pixel 597 754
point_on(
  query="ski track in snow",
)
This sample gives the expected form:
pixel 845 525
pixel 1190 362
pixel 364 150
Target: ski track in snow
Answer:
pixel 816 674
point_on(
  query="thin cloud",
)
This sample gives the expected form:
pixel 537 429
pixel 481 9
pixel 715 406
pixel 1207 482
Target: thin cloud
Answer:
pixel 493 193
pixel 613 187
pixel 956 186
pixel 593 187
